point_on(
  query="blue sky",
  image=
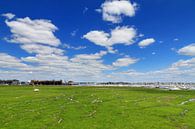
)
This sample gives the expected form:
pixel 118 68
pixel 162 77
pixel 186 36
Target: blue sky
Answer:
pixel 98 40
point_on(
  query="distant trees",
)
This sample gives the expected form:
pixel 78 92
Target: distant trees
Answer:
pixel 47 82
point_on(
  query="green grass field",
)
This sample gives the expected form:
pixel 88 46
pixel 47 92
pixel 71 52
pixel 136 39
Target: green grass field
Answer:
pixel 95 108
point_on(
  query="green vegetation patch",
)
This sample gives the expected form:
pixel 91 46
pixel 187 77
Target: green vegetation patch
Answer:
pixel 95 108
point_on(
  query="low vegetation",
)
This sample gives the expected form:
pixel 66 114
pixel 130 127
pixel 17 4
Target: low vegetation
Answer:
pixel 95 108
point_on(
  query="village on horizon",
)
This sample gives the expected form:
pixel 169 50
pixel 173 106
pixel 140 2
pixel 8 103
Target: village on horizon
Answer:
pixel 161 85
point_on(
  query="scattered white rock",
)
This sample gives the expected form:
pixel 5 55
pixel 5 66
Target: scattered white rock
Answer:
pixel 36 90
pixel 184 112
pixel 59 121
pixel 97 101
pixel 190 100
pixel 92 114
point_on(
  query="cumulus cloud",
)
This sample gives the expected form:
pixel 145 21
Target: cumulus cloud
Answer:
pixel 88 67
pixel 122 62
pixel 34 36
pixel 188 50
pixel 119 35
pixel 112 50
pixel 9 15
pixel 8 61
pixel 182 70
pixel 98 37
pixel 114 10
pixel 47 60
pixel 81 66
pixel 89 56
pixel 27 31
pixel 41 49
pixel 93 62
pixel 146 42
pixel 123 35
pixel 184 63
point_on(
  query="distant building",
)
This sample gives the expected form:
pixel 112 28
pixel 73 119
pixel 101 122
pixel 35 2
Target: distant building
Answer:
pixel 70 83
pixel 24 83
pixel 9 82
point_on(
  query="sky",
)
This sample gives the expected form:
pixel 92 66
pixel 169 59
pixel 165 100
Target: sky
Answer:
pixel 99 40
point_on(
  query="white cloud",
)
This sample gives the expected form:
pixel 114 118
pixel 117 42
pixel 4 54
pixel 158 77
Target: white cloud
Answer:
pixel 123 35
pixel 188 50
pixel 88 67
pixel 176 39
pixel 122 62
pixel 184 63
pixel 41 49
pixel 27 31
pixel 49 62
pixel 7 61
pixel 112 50
pixel 9 15
pixel 146 42
pixel 93 62
pixel 30 59
pixel 114 10
pixel 98 37
pixel 183 70
pixel 119 35
pixel 90 56
pixel 37 37
pixel 81 66
pixel 72 47
pixel 34 36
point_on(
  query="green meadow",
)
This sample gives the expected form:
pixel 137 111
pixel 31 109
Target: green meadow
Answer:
pixel 57 107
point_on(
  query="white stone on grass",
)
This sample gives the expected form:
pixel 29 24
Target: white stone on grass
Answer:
pixel 36 90
pixel 190 100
